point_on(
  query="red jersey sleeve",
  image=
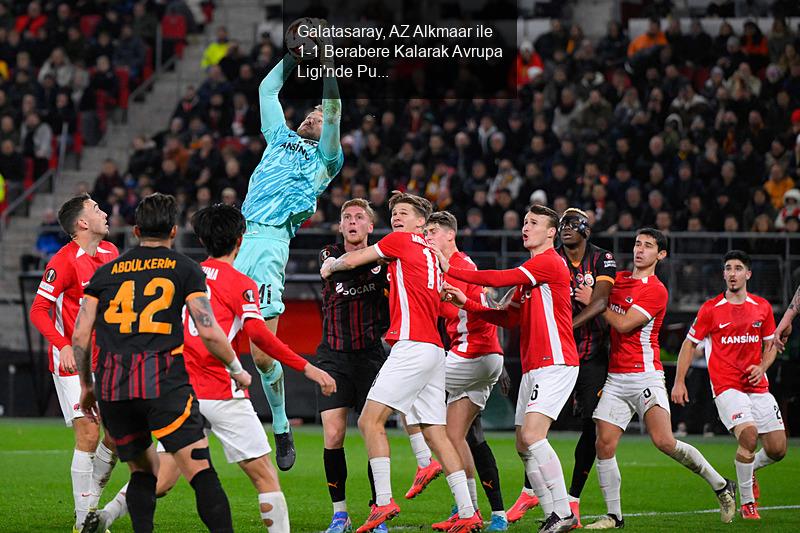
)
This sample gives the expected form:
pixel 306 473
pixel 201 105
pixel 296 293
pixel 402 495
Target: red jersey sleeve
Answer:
pixel 56 279
pixel 262 337
pixel 652 299
pixel 701 326
pixel 393 245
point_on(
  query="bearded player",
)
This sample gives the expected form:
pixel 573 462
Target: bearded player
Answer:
pixel 60 292
pixel 282 194
pixel 736 329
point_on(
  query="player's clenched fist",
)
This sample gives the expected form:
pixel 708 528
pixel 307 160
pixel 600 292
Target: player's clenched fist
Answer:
pixel 325 270
pixel 242 379
pixel 321 378
pixel 680 395
pixel 454 295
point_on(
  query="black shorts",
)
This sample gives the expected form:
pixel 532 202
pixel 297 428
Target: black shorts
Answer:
pixel 591 378
pixel 174 419
pixel 354 373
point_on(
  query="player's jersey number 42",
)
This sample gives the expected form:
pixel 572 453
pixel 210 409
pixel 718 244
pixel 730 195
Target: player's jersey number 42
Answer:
pixel 121 308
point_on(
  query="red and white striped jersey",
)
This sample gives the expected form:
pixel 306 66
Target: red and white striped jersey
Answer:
pixel 61 290
pixel 415 281
pixel 470 336
pixel 637 350
pixel 733 337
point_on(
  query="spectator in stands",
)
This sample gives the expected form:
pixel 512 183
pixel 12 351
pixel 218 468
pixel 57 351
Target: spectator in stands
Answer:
pixel 6 17
pixel 555 39
pixel 103 46
pixel 58 65
pixel 129 53
pixel 144 23
pixel 215 83
pixel 36 142
pixel 58 26
pixel 612 48
pixel 31 22
pixel 49 240
pixel 108 178
pixel 644 49
pixel 779 36
pixel 529 65
pixel 699 42
pixel 790 209
pixel 12 169
pixel 232 61
pixel 63 115
pixel 174 149
pixel 75 45
pixel 754 46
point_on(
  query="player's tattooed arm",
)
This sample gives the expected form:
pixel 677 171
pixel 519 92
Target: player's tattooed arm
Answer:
pixel 82 339
pixel 784 328
pixel 349 261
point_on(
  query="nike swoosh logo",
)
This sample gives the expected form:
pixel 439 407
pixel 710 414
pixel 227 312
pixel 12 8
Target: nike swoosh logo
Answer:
pixel 84 283
pixel 724 325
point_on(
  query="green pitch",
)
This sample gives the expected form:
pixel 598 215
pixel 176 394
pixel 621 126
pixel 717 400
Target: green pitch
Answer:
pixel 35 493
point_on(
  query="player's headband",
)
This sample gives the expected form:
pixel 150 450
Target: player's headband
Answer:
pixel 576 220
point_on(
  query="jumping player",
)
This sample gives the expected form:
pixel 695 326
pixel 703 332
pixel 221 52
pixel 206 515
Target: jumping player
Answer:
pixel 295 169
pixel 355 317
pixel 60 293
pixel 141 382
pixel 541 307
pixel 736 330
pixel 412 380
pixel 635 382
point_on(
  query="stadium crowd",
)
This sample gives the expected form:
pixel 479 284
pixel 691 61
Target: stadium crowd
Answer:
pixel 66 64
pixel 682 131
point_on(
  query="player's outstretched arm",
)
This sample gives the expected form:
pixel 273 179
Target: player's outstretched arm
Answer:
pixel 329 141
pixel 349 261
pixel 680 395
pixel 505 318
pixel 82 348
pixel 271 110
pixel 214 339
pixel 784 328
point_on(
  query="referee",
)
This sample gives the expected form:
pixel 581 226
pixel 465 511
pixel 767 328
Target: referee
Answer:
pixel 355 317
pixel 141 383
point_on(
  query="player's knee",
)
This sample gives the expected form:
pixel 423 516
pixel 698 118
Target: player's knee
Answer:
pixel 748 439
pixel 605 446
pixel 87 435
pixel 776 451
pixel 334 436
pixel 665 442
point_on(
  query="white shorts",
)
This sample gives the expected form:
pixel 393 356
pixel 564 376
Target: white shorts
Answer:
pixel 236 425
pixel 68 390
pixel 736 407
pixel 626 394
pixel 412 381
pixel 545 390
pixel 472 378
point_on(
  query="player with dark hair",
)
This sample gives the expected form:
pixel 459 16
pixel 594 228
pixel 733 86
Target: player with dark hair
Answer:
pixel 141 384
pixel 736 329
pixel 474 364
pixel 60 292
pixel 635 383
pixel 355 316
pixel 541 307
pixel 412 380
pixel 294 171
pixel 228 410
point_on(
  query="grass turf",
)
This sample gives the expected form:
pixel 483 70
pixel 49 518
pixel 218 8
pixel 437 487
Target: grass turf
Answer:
pixel 36 495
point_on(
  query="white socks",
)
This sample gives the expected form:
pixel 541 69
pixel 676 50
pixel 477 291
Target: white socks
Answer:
pixel 81 484
pixel 553 475
pixel 744 477
pixel 116 508
pixel 458 486
pixel 762 460
pixel 102 464
pixel 537 481
pixel 610 482
pixel 473 491
pixel 340 507
pixel 691 458
pixel 381 473
pixel 421 450
pixel 274 512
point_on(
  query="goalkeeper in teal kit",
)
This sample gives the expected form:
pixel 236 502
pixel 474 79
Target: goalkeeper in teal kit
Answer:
pixel 282 194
